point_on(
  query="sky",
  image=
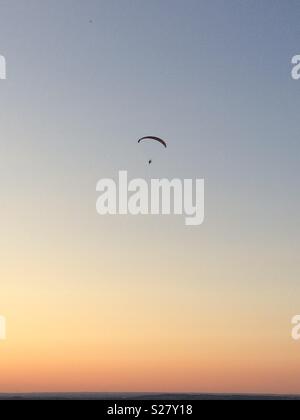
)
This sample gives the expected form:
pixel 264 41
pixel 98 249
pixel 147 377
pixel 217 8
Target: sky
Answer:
pixel 145 303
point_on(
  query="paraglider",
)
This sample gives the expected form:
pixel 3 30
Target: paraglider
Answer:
pixel 153 138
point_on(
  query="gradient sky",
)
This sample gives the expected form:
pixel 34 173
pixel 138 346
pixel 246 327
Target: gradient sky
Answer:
pixel 145 303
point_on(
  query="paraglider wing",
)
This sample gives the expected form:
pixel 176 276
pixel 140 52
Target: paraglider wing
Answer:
pixel 155 139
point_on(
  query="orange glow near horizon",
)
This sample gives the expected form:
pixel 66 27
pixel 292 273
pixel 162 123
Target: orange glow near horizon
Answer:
pixel 143 338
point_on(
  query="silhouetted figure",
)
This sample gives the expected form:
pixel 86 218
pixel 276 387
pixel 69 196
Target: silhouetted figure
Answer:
pixel 150 161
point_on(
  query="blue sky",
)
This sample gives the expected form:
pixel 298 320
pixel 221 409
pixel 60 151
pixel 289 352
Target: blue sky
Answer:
pixel 211 77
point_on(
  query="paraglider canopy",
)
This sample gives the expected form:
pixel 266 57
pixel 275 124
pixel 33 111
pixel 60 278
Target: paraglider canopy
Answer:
pixel 153 138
